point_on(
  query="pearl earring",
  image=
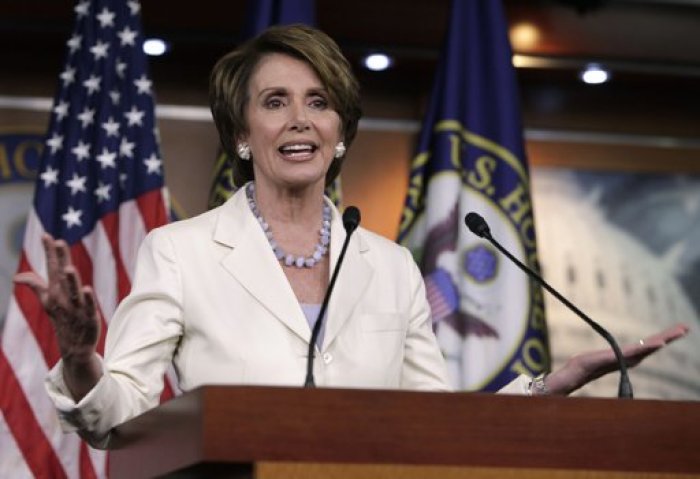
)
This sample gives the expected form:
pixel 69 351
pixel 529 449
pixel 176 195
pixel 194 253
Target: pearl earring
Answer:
pixel 339 149
pixel 243 150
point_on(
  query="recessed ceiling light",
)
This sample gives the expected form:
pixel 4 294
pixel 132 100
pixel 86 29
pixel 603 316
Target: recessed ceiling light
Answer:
pixel 377 62
pixel 155 47
pixel 594 74
pixel 524 36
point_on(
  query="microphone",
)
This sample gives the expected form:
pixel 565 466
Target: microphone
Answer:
pixel 351 220
pixel 478 226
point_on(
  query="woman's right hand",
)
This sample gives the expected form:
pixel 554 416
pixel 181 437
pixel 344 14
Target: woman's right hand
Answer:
pixel 73 312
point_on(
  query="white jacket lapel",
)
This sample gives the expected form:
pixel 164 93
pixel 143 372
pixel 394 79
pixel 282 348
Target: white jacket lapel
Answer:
pixel 352 281
pixel 253 264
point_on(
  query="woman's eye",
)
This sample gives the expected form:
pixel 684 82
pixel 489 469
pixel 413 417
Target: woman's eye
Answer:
pixel 319 103
pixel 274 103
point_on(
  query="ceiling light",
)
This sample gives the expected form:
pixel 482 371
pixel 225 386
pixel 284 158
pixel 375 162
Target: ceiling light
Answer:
pixel 377 62
pixel 155 47
pixel 595 74
pixel 524 36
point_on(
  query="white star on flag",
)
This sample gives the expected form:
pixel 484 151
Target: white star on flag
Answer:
pixel 68 76
pixel 55 143
pixel 106 158
pixel 76 184
pixel 82 9
pixel 115 96
pixel 49 177
pixel 111 127
pixel 99 49
pixel 86 117
pixel 143 85
pixel 134 116
pixel 127 36
pixel 81 151
pixel 153 163
pixel 102 192
pixel 134 6
pixel 72 217
pixel 121 68
pixel 106 18
pixel 61 110
pixel 74 43
pixel 92 84
pixel 126 148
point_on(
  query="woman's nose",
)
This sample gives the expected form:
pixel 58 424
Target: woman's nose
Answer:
pixel 299 119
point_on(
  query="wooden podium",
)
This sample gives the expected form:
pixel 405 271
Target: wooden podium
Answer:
pixel 231 431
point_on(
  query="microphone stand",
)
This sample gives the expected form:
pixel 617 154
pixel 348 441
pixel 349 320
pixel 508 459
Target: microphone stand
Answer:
pixel 478 226
pixel 351 219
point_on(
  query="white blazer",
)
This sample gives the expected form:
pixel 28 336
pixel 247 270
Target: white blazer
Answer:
pixel 210 296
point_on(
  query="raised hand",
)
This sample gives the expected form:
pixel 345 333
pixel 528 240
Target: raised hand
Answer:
pixel 585 367
pixel 71 307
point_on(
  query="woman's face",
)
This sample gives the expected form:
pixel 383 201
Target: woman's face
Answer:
pixel 292 128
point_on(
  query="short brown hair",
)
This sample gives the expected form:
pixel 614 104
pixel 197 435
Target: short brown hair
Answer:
pixel 228 86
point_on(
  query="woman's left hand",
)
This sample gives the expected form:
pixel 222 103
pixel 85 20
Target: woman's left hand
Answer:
pixel 585 367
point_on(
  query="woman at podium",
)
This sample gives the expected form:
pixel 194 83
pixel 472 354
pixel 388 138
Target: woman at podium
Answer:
pixel 231 296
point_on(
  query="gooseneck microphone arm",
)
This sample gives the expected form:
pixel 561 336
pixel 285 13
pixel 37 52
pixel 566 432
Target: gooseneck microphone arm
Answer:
pixel 351 220
pixel 479 227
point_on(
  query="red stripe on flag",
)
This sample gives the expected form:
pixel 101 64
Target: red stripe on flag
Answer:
pixel 37 319
pixel 153 209
pixel 38 453
pixel 82 261
pixel 87 470
pixel 43 331
pixel 110 223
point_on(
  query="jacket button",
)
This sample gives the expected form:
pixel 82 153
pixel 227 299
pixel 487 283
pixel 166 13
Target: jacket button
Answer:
pixel 327 357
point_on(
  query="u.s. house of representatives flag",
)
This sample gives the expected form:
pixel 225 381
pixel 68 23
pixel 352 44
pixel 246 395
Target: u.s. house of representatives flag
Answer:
pixel 488 316
pixel 99 187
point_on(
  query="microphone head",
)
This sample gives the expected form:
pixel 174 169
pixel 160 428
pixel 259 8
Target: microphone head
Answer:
pixel 477 225
pixel 351 219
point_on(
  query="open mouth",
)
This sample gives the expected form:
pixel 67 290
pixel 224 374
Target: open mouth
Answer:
pixel 294 151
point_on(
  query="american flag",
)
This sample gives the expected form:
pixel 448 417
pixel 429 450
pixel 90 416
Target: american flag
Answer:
pixel 100 187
